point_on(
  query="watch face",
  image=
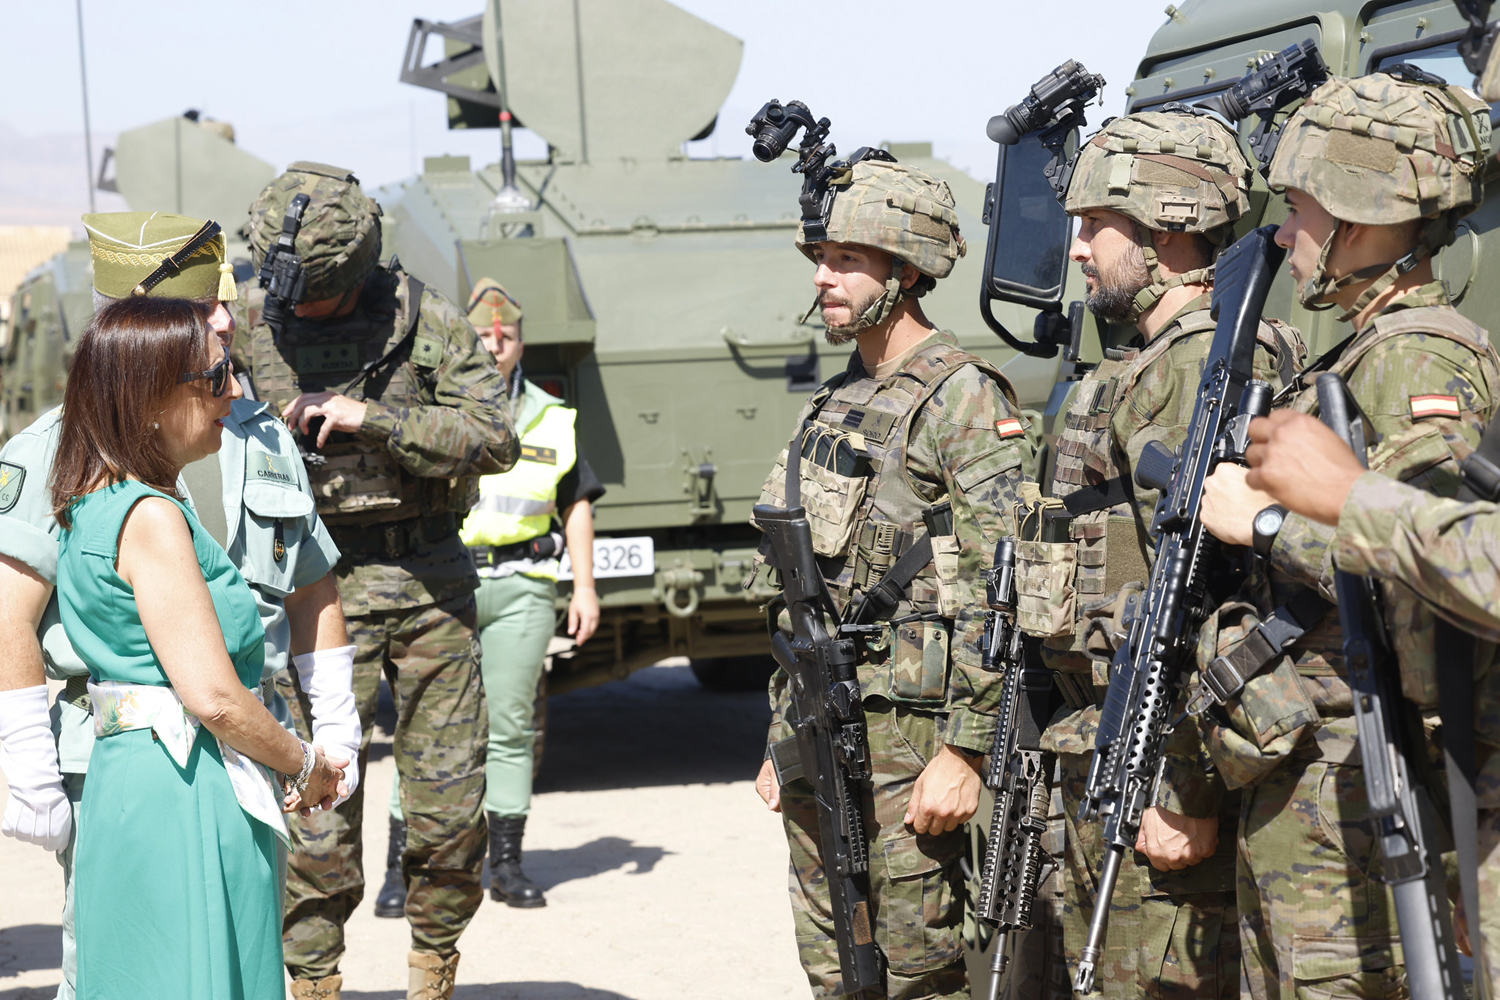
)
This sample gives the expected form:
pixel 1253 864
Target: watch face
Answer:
pixel 1268 521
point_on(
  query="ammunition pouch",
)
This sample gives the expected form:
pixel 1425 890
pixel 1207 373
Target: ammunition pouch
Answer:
pixel 393 539
pixel 834 481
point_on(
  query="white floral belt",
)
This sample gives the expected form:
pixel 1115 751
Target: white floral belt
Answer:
pixel 120 707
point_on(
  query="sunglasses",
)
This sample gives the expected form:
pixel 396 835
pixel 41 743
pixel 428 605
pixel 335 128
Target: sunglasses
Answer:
pixel 218 376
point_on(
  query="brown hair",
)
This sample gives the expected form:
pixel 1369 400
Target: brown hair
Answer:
pixel 125 369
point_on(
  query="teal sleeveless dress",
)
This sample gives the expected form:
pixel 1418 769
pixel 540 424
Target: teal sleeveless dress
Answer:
pixel 176 886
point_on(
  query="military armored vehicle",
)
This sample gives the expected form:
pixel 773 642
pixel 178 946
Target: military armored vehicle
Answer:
pixel 1204 48
pixel 189 165
pixel 662 293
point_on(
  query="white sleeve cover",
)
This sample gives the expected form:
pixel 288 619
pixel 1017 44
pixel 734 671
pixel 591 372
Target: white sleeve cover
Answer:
pixel 37 811
pixel 327 676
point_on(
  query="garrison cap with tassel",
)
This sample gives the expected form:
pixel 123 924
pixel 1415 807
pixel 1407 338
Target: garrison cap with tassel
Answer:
pixel 159 254
pixel 490 304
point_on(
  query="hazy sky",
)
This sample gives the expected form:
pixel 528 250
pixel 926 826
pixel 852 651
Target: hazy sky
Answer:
pixel 318 80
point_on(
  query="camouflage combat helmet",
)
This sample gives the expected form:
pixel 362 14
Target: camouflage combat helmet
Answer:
pixel 899 209
pixel 339 241
pixel 1175 171
pixel 1382 150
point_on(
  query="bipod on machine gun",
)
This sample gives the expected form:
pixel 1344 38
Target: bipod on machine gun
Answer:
pixel 1026 254
pixel 1276 81
pixel 1392 751
pixel 830 748
pixel 1150 667
pixel 1014 862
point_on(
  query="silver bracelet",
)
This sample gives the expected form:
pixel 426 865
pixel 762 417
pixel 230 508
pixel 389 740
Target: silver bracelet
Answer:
pixel 309 758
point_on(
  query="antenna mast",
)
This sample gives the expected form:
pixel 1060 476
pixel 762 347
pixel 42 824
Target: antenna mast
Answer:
pixel 83 73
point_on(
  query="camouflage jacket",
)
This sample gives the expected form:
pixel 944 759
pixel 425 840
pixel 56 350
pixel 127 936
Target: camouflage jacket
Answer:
pixel 1136 395
pixel 1428 380
pixel 394 492
pixel 943 426
pixel 1445 551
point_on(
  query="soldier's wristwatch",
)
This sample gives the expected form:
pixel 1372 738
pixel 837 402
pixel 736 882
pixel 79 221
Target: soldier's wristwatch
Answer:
pixel 1266 527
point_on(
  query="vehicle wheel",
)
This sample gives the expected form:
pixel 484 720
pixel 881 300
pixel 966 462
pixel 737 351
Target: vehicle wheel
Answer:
pixel 734 673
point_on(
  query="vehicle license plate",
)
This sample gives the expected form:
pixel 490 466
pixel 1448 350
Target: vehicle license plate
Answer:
pixel 616 557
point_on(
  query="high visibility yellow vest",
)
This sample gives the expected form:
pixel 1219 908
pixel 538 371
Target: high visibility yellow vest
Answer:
pixel 518 505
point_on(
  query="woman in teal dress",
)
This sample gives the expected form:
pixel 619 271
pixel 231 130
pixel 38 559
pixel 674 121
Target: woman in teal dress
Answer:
pixel 176 868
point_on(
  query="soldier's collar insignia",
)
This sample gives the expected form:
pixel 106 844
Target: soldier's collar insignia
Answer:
pixel 12 476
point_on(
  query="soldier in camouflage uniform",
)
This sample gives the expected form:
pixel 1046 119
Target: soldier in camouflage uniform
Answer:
pixel 1377 171
pixel 1446 551
pixel 935 424
pixel 1157 194
pixel 394 460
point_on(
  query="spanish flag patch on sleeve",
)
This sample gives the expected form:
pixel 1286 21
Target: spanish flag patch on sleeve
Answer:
pixel 1433 406
pixel 1010 427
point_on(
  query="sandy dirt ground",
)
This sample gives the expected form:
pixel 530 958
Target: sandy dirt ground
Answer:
pixel 665 875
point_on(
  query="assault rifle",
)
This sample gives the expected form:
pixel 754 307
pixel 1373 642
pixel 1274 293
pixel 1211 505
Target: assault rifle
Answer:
pixel 1150 667
pixel 831 748
pixel 1389 733
pixel 1014 862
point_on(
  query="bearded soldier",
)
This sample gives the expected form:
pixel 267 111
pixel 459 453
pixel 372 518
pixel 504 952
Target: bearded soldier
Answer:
pixel 919 424
pixel 1376 171
pixel 1157 194
pixel 399 409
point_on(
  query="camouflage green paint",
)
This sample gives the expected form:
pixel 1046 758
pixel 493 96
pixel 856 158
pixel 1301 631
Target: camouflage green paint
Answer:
pixel 431 658
pixel 916 890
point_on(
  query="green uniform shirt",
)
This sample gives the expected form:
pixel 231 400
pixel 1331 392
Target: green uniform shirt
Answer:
pixel 264 483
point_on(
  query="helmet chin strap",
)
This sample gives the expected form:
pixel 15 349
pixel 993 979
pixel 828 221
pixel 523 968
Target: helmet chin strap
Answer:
pixel 1319 287
pixel 878 311
pixel 1149 296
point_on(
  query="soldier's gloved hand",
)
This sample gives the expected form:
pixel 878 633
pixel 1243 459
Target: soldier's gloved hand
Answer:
pixel 1172 841
pixel 1300 461
pixel 327 675
pixel 38 811
pixel 946 793
pixel 1229 505
pixel 339 413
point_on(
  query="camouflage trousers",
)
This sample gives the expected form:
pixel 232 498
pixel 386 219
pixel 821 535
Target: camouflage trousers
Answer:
pixel 431 658
pixel 1170 934
pixel 916 892
pixel 1315 922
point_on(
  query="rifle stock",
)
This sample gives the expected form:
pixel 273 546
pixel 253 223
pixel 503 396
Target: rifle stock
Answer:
pixel 830 748
pixel 1149 668
pixel 1401 810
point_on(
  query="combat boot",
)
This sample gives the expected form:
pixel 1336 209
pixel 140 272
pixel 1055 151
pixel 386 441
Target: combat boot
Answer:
pixel 328 988
pixel 432 976
pixel 508 883
pixel 392 899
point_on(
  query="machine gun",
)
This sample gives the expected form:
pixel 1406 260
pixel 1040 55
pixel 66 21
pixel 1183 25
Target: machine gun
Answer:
pixel 1276 81
pixel 831 748
pixel 775 126
pixel 1401 809
pixel 1014 862
pixel 1150 666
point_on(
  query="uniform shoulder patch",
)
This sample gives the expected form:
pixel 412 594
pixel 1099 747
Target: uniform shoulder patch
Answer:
pixel 11 478
pixel 426 351
pixel 1434 406
pixel 535 453
pixel 1010 427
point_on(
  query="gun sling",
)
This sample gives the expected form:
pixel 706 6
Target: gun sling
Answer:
pixel 1225 677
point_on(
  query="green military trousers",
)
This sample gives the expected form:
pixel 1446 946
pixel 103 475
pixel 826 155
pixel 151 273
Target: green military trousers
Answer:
pixel 1170 934
pixel 1315 920
pixel 430 657
pixel 916 890
pixel 517 616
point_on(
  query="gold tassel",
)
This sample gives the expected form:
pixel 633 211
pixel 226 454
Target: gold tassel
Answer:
pixel 227 291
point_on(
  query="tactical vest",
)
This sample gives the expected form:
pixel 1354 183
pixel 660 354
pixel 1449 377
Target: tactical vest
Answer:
pixel 355 480
pixel 866 510
pixel 518 505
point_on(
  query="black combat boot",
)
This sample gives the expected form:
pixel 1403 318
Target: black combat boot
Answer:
pixel 392 899
pixel 508 883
